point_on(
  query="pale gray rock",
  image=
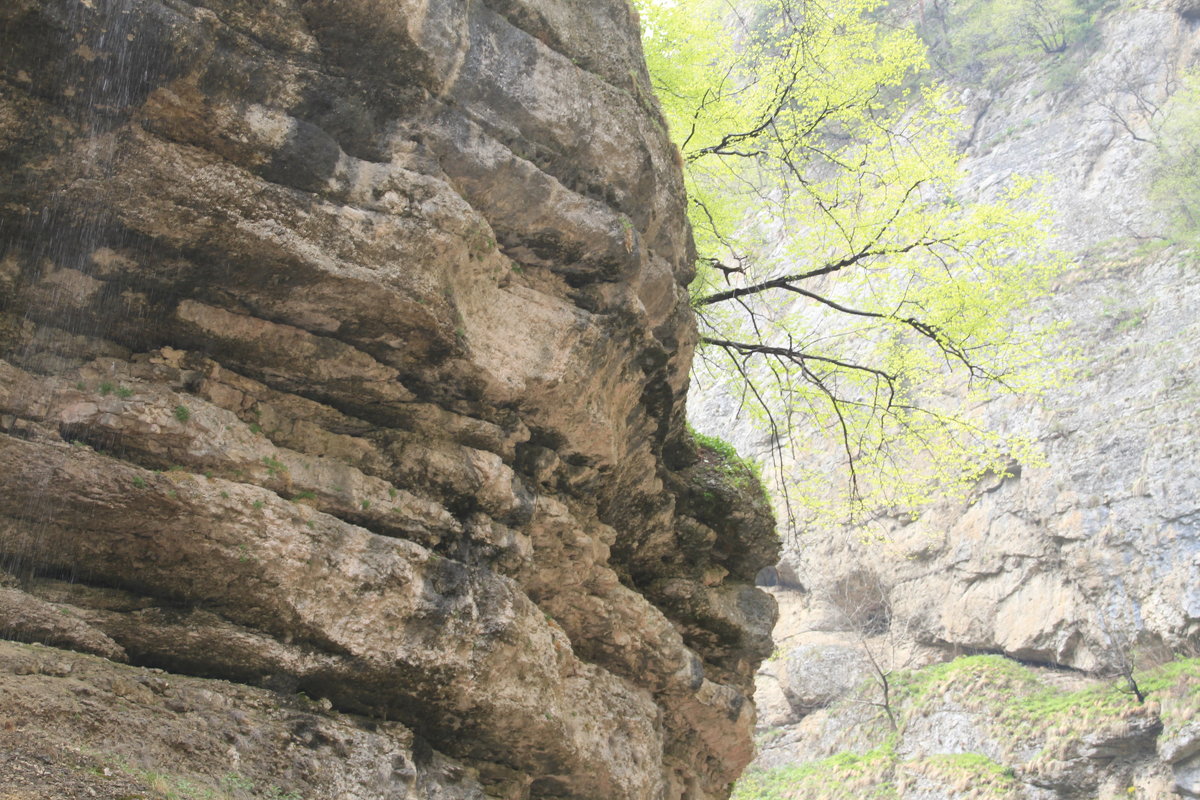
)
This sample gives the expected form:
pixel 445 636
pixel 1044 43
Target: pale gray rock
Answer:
pixel 1187 777
pixel 1181 745
pixel 816 675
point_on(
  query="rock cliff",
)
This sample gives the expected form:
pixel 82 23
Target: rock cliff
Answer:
pixel 1046 563
pixel 343 355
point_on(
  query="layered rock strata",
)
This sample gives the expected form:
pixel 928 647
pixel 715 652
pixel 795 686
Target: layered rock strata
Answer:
pixel 344 350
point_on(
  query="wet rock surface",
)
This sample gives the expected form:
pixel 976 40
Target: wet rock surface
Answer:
pixel 343 350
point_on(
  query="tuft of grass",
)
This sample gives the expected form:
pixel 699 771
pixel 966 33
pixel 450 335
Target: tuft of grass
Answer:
pixel 743 473
pixel 237 782
pixel 984 776
pixel 845 776
pixel 277 793
pixel 105 389
pixel 182 413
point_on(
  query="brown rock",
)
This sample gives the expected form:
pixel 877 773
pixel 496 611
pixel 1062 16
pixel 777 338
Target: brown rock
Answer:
pixel 393 296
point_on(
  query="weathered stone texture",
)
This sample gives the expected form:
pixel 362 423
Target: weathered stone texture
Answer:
pixel 343 349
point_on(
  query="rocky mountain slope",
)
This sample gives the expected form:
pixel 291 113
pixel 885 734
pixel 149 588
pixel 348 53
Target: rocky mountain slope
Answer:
pixel 343 354
pixel 1078 568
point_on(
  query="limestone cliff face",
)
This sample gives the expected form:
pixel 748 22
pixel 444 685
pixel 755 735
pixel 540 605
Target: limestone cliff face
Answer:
pixel 344 347
pixel 1104 537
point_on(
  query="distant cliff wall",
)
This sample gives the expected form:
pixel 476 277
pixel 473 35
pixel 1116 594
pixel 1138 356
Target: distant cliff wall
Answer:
pixel 1106 535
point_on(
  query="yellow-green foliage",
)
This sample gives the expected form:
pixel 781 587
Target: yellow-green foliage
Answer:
pixel 1175 686
pixel 175 786
pixel 1176 185
pixel 880 774
pixel 1018 709
pixel 812 137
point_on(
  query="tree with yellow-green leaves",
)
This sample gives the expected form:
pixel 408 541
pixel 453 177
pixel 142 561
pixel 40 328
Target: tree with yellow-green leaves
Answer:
pixel 1175 187
pixel 844 289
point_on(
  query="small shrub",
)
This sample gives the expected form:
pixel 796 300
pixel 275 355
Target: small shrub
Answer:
pixel 106 389
pixel 1175 188
pixel 742 472
pixel 182 413
pixel 275 793
pixel 236 782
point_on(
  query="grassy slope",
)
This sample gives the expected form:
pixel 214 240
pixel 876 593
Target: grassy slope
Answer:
pixel 1034 726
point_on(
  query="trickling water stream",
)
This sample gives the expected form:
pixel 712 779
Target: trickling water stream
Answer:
pixel 89 63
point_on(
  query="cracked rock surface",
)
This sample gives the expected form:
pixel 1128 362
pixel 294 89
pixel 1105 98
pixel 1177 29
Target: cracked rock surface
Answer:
pixel 343 355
